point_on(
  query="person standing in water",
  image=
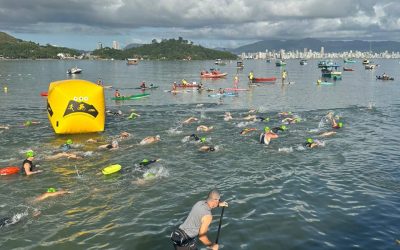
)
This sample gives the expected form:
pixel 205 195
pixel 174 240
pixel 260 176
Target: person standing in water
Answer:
pixel 284 75
pixel 28 168
pixel 197 223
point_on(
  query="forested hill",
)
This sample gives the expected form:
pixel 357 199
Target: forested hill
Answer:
pixel 170 49
pixel 13 48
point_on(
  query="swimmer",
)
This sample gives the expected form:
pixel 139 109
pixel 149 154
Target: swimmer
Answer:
pixel 190 120
pixel 150 140
pixel 7 221
pixel 133 115
pixel 67 145
pixel 117 93
pixel 51 192
pixel 91 140
pixel 310 143
pixel 284 113
pixel 203 128
pixel 250 118
pixel 290 120
pixel 227 116
pixel 336 125
pixel 29 123
pixel 247 130
pixel 267 136
pixel 280 128
pixel 252 111
pixel 326 134
pixel 4 127
pixel 124 135
pixel 28 168
pixel 197 138
pixel 116 113
pixel 114 145
pixel 63 155
pixel 146 162
pixel 207 149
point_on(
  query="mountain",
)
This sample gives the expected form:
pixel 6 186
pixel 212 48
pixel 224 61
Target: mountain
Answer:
pixel 132 45
pixel 167 49
pixel 11 47
pixel 315 45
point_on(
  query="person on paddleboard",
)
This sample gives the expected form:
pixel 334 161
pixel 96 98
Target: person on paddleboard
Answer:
pixel 197 223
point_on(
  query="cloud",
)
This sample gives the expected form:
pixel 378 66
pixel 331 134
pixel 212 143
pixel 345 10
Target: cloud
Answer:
pixel 229 20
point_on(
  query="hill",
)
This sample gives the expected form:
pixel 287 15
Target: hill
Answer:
pixel 11 47
pixel 315 45
pixel 170 49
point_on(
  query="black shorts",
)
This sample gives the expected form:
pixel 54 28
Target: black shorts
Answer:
pixel 182 241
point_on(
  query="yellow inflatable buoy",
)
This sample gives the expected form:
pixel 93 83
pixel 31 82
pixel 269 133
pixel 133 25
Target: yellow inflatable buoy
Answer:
pixel 76 106
pixel 111 169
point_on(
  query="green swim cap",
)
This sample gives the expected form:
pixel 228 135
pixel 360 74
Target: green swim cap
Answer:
pixel 309 140
pixel 202 139
pixel 30 153
pixel 266 119
pixel 149 175
pixel 145 161
pixel 283 127
pixel 267 129
pixel 69 142
pixel 297 119
pixel 51 190
pixel 28 123
pixel 340 124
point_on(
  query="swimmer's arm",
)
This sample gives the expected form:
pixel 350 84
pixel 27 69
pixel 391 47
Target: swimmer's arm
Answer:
pixel 28 171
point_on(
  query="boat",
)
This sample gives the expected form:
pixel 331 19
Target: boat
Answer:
pixel 132 61
pixel 74 70
pixel 239 64
pixel 385 78
pixel 212 74
pixel 326 63
pixel 264 79
pixel 147 87
pixel 219 62
pixel 280 63
pixel 347 69
pixel 303 62
pixel 131 97
pixel 365 61
pixel 268 60
pixel 348 60
pixel 331 72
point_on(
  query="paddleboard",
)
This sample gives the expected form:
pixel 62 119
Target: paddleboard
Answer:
pixel 153 87
pixel 325 83
pixel 131 97
pixel 111 169
pixel 9 170
pixel 223 95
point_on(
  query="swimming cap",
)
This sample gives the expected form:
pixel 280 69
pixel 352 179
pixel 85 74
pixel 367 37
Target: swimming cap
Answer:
pixel 28 123
pixel 267 129
pixel 202 139
pixel 149 175
pixel 340 124
pixel 114 142
pixel 145 161
pixel 30 153
pixel 283 127
pixel 69 142
pixel 51 190
pixel 309 140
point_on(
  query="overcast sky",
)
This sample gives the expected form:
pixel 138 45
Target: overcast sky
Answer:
pixel 81 24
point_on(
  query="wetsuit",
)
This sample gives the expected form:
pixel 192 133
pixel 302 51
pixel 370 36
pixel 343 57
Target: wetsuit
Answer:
pixel 65 147
pixel 276 129
pixel 31 166
pixel 5 221
pixel 145 163
pixel 196 138
pixel 262 118
pixel 109 146
pixel 262 138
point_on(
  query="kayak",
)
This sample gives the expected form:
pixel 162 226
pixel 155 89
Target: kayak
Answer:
pixel 9 170
pixel 211 75
pixel 131 97
pixel 264 79
pixel 152 87
pixel 111 169
pixel 223 95
pixel 235 89
pixel 190 85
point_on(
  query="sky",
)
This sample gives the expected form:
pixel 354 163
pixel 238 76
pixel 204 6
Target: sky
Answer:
pixel 81 24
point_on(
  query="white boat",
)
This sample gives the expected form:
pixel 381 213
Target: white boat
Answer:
pixel 132 61
pixel 219 62
pixel 370 66
pixel 74 70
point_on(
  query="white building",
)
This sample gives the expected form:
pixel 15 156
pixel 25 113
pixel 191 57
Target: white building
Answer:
pixel 115 45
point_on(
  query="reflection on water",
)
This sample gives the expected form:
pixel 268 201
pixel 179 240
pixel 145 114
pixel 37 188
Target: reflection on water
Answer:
pixel 342 195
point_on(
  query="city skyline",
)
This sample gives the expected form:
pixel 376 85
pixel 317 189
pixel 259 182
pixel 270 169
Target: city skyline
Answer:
pixel 226 24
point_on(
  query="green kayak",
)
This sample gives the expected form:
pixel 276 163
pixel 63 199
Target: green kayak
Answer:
pixel 151 87
pixel 131 97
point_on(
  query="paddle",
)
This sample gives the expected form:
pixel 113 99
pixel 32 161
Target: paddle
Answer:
pixel 219 226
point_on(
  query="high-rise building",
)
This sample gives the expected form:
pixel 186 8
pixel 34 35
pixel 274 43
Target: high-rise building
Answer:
pixel 99 45
pixel 115 45
pixel 322 51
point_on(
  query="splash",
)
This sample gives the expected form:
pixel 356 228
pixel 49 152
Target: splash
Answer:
pixel 286 150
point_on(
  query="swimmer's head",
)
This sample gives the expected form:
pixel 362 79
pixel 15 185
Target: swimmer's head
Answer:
pixel 212 148
pixel 297 119
pixel 309 140
pixel 51 190
pixel 69 142
pixel 30 153
pixel 202 139
pixel 28 123
pixel 266 129
pixel 283 127
pixel 158 137
pixel 114 143
pixel 145 161
pixel 340 124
